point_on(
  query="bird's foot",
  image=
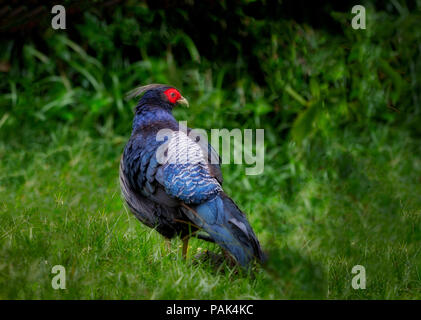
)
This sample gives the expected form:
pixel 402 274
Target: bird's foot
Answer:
pixel 214 259
pixel 209 256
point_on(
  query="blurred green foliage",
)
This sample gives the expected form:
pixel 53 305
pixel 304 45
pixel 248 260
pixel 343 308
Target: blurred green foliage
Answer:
pixel 312 80
pixel 340 109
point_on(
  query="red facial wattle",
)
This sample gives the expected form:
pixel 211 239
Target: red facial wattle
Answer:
pixel 172 94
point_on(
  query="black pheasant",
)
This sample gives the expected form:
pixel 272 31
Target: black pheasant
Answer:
pixel 171 184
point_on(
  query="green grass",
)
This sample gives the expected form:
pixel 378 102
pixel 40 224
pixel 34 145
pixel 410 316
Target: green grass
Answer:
pixel 318 215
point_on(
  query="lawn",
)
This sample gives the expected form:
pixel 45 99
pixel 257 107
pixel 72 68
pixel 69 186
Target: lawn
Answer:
pixel 352 204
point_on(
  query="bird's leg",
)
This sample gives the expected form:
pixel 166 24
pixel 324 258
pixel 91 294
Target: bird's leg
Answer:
pixel 229 258
pixel 204 237
pixel 168 244
pixel 185 246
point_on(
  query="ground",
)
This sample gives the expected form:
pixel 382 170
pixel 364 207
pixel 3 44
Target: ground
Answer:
pixel 352 204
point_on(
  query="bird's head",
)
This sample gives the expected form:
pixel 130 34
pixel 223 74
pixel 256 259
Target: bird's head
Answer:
pixel 159 94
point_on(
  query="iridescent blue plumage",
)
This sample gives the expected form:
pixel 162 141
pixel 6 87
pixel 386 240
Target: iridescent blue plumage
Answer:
pixel 182 194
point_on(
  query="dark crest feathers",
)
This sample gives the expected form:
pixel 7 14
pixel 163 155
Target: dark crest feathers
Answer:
pixel 142 89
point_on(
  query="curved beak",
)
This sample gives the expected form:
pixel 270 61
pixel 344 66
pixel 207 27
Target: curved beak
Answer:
pixel 183 101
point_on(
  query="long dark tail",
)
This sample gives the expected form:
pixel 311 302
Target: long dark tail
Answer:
pixel 227 226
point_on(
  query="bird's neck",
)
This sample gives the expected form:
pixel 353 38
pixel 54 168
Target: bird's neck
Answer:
pixel 147 114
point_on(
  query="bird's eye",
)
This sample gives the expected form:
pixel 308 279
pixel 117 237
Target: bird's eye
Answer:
pixel 173 94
